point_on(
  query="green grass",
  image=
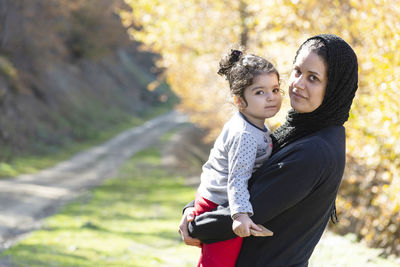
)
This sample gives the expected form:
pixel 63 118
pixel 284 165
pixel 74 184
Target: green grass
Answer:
pixel 34 163
pixel 131 220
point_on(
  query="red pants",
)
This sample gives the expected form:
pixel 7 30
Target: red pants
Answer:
pixel 219 254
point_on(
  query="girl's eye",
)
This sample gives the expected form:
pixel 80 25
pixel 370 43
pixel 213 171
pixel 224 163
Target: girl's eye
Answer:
pixel 276 90
pixel 260 92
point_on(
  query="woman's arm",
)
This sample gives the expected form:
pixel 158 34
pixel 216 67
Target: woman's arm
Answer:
pixel 213 226
pixel 284 180
pixel 217 226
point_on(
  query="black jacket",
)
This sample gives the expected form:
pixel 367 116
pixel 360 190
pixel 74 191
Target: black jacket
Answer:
pixel 293 195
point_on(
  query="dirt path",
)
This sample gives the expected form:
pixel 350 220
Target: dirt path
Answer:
pixel 25 200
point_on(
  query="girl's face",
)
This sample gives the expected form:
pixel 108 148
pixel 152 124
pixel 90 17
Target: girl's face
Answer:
pixel 263 99
pixel 307 82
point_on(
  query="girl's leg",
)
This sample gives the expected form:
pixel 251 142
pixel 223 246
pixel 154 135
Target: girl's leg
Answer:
pixel 202 205
pixel 219 254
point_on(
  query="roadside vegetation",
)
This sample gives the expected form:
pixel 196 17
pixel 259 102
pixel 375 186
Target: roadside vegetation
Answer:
pixel 51 155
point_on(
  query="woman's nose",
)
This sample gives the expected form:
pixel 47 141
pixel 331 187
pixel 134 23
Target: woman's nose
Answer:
pixel 299 82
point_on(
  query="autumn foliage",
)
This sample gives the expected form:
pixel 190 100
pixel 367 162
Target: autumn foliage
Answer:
pixel 192 35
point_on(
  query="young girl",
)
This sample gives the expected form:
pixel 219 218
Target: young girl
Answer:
pixel 243 145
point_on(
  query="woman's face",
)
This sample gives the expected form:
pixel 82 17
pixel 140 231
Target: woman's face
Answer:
pixel 307 82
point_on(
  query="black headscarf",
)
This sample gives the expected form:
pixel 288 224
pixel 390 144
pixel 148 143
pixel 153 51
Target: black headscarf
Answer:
pixel 340 90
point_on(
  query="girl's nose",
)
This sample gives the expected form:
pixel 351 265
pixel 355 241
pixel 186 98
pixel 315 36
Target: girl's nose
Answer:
pixel 270 96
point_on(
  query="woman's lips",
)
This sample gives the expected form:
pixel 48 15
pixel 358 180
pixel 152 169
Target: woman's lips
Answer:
pixel 298 95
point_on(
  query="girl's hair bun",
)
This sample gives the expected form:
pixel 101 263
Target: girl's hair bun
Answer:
pixel 235 55
pixel 228 61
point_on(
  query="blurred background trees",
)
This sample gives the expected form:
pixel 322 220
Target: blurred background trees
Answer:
pixel 192 35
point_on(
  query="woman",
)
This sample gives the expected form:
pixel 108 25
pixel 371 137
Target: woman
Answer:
pixel 293 194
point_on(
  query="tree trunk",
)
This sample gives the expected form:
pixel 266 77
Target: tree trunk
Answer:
pixel 245 30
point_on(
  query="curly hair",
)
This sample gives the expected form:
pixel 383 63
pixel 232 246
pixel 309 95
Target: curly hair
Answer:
pixel 240 69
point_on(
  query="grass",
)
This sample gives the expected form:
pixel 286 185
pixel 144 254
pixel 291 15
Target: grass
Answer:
pixel 34 163
pixel 344 251
pixel 131 220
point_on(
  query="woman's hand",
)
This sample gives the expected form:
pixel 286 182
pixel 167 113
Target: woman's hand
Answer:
pixel 183 228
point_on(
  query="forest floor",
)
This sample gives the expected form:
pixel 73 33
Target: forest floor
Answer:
pixel 130 219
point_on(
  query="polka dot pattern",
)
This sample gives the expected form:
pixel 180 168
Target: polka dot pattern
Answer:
pixel 238 151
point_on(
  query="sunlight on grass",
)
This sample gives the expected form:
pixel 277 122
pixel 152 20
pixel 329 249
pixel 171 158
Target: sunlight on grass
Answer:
pixel 131 220
pixel 344 251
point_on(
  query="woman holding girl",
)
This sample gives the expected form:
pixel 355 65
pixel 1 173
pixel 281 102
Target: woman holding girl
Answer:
pixel 293 193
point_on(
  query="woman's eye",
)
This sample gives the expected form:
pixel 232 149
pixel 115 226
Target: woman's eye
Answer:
pixel 296 72
pixel 313 78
